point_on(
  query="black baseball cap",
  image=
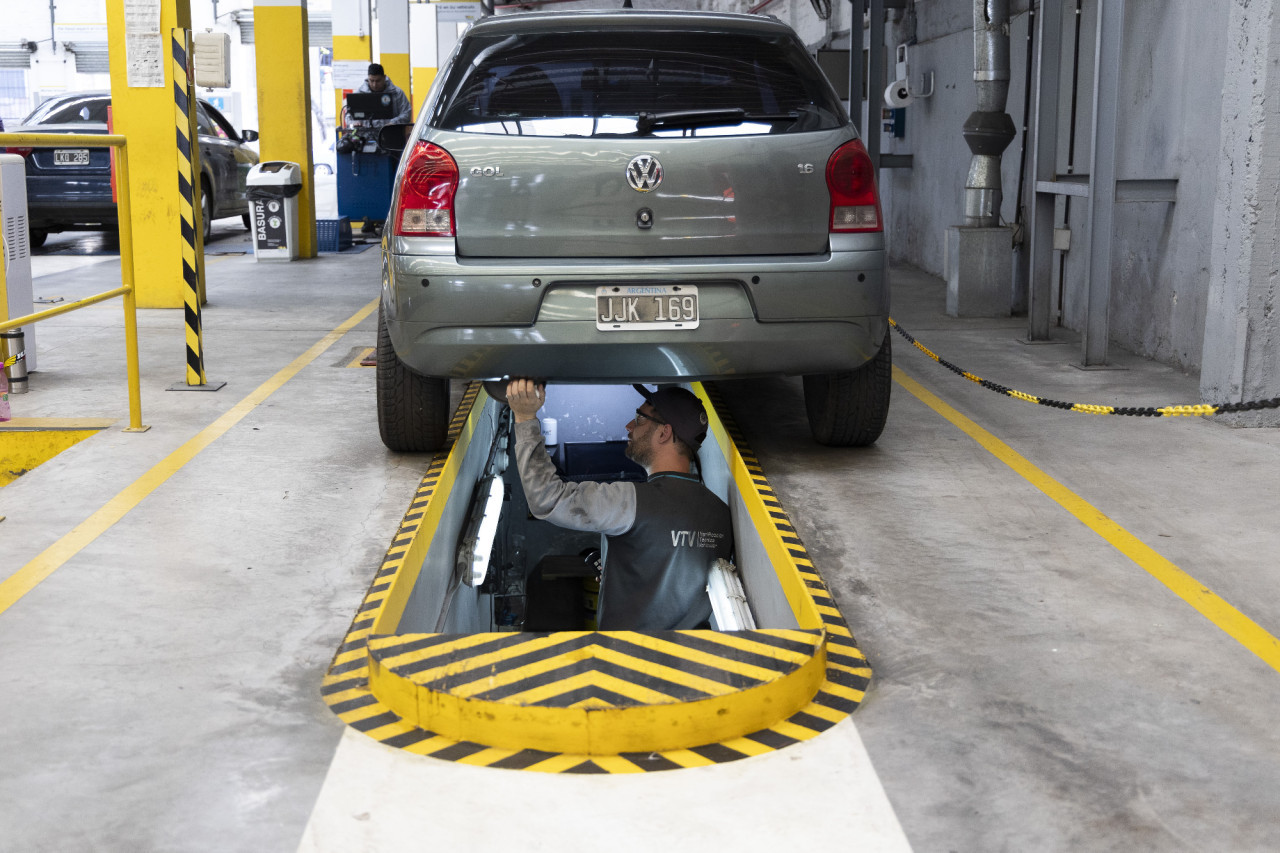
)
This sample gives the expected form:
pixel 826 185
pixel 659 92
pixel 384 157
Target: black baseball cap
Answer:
pixel 682 409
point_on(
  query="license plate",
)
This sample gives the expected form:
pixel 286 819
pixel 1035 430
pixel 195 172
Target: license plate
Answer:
pixel 71 156
pixel 621 308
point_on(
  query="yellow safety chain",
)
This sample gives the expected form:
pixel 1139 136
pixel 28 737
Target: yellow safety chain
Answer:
pixel 1195 410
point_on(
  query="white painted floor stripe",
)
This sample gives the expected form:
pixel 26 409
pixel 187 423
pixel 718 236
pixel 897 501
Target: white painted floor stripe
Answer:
pixel 818 793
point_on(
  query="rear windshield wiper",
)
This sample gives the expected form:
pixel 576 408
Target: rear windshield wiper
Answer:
pixel 649 122
pixel 646 123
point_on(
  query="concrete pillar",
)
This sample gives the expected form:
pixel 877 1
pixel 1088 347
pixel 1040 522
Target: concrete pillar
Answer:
pixel 352 47
pixel 282 51
pixel 393 44
pixel 435 30
pixel 1241 354
pixel 142 108
pixel 422 51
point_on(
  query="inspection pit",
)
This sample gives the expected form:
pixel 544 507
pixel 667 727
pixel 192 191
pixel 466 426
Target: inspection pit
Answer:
pixel 475 641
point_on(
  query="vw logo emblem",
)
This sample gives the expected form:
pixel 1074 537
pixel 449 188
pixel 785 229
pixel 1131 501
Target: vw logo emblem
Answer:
pixel 644 173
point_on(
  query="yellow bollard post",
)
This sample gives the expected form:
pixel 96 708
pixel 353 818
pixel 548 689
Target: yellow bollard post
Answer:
pixel 123 206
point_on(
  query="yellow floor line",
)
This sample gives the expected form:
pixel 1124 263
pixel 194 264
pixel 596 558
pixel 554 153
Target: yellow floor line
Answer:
pixel 29 576
pixel 1238 626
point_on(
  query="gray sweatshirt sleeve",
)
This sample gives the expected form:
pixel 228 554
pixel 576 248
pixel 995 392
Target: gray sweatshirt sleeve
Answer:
pixel 608 508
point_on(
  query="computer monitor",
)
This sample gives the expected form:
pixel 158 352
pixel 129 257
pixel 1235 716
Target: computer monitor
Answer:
pixel 364 106
pixel 600 461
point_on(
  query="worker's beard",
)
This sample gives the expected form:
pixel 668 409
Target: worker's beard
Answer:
pixel 641 454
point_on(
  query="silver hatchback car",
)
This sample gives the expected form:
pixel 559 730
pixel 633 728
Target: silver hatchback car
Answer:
pixel 633 197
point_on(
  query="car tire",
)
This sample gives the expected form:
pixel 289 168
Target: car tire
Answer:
pixel 36 237
pixel 849 408
pixel 413 410
pixel 206 210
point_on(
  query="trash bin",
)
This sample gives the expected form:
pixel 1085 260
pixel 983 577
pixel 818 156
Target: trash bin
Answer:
pixel 272 190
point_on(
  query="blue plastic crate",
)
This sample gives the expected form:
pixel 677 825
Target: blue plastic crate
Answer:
pixel 333 235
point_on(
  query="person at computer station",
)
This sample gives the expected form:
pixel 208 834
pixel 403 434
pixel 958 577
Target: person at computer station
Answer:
pixel 378 82
pixel 659 537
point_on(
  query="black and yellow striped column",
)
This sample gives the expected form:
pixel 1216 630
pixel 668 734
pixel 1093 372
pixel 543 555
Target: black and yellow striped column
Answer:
pixel 189 201
pixel 282 52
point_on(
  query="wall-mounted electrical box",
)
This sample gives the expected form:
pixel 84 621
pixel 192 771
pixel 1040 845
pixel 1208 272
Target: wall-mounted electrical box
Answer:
pixel 894 121
pixel 15 287
pixel 211 60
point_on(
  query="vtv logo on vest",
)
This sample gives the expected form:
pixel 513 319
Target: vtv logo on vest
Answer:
pixel 695 539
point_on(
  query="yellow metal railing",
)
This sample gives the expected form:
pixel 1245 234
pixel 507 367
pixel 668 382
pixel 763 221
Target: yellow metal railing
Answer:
pixel 94 140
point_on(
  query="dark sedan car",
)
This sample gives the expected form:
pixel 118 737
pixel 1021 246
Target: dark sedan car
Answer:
pixel 69 189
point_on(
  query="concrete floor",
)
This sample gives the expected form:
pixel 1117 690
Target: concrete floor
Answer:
pixel 1036 687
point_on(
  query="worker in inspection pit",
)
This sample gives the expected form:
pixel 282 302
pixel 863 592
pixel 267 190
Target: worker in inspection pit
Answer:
pixel 661 536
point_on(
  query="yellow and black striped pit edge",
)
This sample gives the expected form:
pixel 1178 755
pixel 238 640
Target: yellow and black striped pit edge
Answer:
pixel 838 687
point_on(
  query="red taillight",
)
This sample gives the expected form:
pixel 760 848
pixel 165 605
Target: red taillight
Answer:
pixel 21 152
pixel 851 179
pixel 423 206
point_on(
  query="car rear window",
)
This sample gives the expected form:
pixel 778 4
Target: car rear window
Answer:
pixel 70 111
pixel 599 83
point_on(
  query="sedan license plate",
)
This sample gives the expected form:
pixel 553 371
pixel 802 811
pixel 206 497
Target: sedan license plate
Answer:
pixel 71 156
pixel 621 308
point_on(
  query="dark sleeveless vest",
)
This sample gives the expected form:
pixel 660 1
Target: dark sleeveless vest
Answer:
pixel 655 574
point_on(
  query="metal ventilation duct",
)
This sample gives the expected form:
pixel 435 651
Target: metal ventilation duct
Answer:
pixel 989 129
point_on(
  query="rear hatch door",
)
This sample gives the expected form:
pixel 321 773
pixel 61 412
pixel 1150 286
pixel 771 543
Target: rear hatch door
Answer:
pixel 529 197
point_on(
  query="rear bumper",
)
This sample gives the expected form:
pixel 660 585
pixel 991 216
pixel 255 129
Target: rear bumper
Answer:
pixel 56 205
pixel 758 316
pixel 718 349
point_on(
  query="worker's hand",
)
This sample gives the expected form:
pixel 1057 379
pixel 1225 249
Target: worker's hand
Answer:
pixel 525 397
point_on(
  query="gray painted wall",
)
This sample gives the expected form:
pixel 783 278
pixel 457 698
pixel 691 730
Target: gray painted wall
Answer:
pixel 1170 107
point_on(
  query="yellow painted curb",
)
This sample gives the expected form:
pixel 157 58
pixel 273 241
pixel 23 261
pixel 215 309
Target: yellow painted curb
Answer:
pixel 653 719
